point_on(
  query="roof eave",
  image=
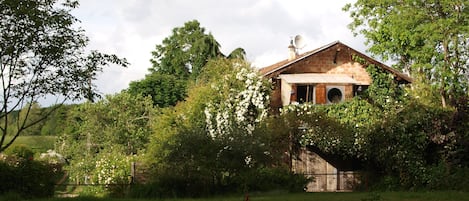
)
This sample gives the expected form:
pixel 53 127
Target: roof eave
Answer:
pixel 302 57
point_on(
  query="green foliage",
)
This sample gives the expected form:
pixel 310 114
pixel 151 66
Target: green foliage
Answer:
pixel 238 53
pixel 344 128
pixel 26 177
pixel 112 168
pixel 42 54
pixel 214 142
pixel 120 121
pixel 37 143
pixel 29 115
pixel 178 62
pixel 53 125
pixel 423 93
pixel 104 138
pixel 416 148
pixel 56 123
pixel 384 93
pixel 242 102
pixel 445 177
pixel 165 89
pixel 404 144
pixel 284 196
pixel 185 52
pixel 374 196
pixel 10 196
pixel 427 38
pixel 269 179
pixel 109 170
pixel 313 126
pixel 412 141
pixel 21 151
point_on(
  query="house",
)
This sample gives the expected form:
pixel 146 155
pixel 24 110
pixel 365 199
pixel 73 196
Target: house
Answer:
pixel 322 76
pixel 326 75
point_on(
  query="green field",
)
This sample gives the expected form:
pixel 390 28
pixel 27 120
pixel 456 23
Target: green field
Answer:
pixel 359 196
pixel 38 144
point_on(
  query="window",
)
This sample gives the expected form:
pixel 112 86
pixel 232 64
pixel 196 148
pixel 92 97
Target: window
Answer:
pixel 335 94
pixel 359 89
pixel 305 93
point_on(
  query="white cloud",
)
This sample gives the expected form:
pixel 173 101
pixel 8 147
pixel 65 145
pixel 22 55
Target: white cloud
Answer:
pixel 132 28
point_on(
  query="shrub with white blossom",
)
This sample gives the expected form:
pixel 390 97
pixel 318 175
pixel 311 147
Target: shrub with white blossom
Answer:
pixel 105 169
pixel 112 168
pixel 212 139
pixel 244 103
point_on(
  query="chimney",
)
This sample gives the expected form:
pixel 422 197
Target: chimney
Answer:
pixel 292 52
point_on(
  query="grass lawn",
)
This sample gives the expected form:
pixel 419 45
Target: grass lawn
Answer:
pixel 358 196
pixel 38 144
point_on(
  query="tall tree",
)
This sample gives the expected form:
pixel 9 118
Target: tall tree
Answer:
pixel 179 59
pixel 42 55
pixel 186 51
pixel 165 90
pixel 429 39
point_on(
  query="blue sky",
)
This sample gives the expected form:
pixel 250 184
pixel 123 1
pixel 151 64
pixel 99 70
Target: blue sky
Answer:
pixel 132 28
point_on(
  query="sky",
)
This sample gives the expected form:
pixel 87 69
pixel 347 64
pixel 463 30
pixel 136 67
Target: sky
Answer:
pixel 264 28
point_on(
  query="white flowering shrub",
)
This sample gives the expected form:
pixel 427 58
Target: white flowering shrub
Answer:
pixel 112 169
pixel 106 168
pixel 80 171
pixel 217 138
pixel 244 103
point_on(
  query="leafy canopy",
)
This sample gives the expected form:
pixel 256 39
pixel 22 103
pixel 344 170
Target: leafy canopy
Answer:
pixel 165 90
pixel 42 54
pixel 117 122
pixel 427 38
pixel 179 61
pixel 104 137
pixel 185 52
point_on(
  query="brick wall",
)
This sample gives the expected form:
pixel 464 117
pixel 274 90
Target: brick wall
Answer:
pixel 323 62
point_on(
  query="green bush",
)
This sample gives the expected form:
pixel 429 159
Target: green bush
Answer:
pixel 10 196
pixel 21 151
pixel 268 179
pixel 198 185
pixel 26 177
pixel 21 174
pixel 190 183
pixel 445 177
